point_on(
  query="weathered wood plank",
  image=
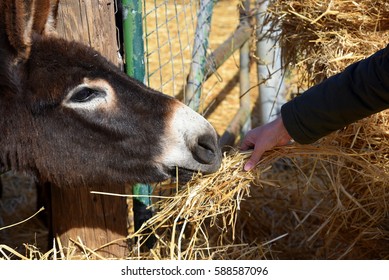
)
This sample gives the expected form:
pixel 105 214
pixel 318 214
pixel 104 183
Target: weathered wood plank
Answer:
pixel 76 213
pixel 95 220
pixel 91 23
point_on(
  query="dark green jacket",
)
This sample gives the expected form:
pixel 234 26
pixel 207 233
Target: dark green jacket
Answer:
pixel 362 89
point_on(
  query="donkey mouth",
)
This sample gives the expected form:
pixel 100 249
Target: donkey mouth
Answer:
pixel 182 175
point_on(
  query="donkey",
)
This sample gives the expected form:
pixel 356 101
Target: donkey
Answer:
pixel 70 117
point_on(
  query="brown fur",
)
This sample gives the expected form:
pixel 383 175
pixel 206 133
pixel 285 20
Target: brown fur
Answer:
pixel 66 146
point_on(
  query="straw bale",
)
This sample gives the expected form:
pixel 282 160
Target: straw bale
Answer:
pixel 321 37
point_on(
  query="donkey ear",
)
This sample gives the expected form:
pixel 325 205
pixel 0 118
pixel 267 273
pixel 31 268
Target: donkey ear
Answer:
pixel 18 17
pixel 23 18
pixel 45 17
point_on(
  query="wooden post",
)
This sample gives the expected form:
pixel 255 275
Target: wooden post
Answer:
pixel 91 23
pixel 93 220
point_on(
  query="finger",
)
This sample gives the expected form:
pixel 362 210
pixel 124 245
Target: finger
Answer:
pixel 254 159
pixel 247 143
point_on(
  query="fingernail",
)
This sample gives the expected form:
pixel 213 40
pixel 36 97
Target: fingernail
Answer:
pixel 248 166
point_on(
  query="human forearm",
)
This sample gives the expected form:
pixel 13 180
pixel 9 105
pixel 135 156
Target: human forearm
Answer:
pixel 360 90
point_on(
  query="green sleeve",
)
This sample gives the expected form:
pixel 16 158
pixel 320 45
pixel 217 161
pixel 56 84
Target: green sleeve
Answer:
pixel 360 90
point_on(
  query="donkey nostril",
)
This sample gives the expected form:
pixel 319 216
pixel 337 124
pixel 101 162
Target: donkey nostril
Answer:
pixel 204 150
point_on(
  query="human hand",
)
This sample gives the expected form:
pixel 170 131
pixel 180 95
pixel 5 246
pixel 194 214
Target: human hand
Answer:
pixel 263 138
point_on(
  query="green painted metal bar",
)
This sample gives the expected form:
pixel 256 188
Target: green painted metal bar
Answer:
pixel 133 39
pixel 135 67
pixel 192 94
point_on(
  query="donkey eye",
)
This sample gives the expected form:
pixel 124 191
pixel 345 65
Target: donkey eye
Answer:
pixel 91 95
pixel 85 94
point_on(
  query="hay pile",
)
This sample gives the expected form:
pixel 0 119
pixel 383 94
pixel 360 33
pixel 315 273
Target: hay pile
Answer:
pixel 321 37
pixel 324 201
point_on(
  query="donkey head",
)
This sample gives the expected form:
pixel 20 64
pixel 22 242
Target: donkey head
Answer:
pixel 69 116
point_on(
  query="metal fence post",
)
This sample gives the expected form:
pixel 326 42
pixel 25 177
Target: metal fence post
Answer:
pixel 133 39
pixel 269 77
pixel 241 123
pixel 192 94
pixel 135 67
pixel 244 74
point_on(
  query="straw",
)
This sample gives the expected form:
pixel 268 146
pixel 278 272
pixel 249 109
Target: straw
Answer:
pixel 320 38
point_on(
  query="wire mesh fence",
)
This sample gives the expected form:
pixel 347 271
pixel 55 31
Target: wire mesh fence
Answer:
pixel 169 28
pixel 169 34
